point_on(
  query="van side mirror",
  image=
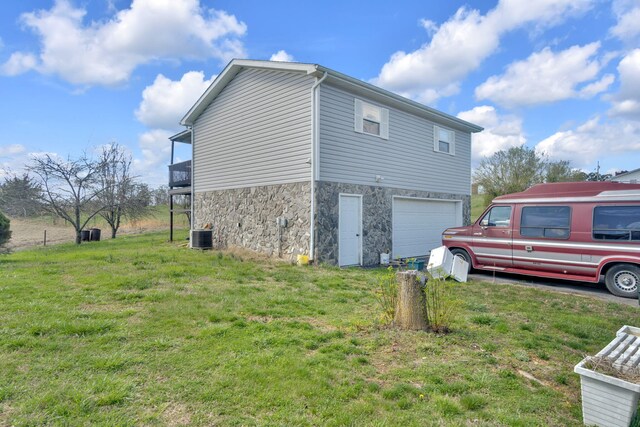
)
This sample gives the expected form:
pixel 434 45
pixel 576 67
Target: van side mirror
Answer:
pixel 484 222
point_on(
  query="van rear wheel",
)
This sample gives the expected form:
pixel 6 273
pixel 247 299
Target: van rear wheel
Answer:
pixel 465 255
pixel 623 280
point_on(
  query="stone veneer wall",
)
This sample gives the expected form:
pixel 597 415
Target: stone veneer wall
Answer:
pixel 376 217
pixel 246 217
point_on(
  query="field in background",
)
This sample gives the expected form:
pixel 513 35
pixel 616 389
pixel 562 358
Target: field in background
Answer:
pixel 478 206
pixel 29 232
pixel 138 331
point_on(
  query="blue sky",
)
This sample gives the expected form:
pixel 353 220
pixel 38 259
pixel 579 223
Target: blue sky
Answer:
pixel 562 76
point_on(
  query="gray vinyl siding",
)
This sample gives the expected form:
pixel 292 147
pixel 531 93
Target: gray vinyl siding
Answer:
pixel 407 160
pixel 256 132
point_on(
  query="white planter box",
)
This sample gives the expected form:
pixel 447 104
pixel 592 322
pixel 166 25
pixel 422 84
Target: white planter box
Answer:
pixel 608 401
pixel 630 330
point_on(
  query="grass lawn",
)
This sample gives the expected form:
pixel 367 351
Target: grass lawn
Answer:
pixel 478 206
pixel 137 331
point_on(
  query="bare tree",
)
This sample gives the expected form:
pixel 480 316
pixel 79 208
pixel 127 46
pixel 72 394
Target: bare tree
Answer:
pixel 70 188
pixel 160 195
pixel 121 196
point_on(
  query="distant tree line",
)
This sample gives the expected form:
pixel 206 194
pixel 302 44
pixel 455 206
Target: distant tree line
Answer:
pixel 80 189
pixel 518 168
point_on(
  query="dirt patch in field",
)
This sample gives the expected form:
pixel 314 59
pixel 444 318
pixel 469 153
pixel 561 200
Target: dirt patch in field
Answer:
pixel 28 233
pixel 177 414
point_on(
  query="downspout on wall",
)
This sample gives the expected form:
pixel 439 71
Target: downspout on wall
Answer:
pixel 315 137
pixel 193 210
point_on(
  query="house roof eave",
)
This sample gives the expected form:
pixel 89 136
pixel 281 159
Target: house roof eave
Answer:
pixel 622 175
pixel 183 136
pixel 417 107
pixel 234 67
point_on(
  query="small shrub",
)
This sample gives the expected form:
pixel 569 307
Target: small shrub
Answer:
pixel 5 233
pixel 387 294
pixel 441 304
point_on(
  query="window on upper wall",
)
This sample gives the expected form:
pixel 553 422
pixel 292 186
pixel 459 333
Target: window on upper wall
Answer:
pixel 371 119
pixel 444 140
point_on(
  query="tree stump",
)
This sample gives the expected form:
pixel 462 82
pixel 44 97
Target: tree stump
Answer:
pixel 411 309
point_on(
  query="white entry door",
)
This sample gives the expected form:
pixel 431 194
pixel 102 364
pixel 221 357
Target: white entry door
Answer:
pixel 350 230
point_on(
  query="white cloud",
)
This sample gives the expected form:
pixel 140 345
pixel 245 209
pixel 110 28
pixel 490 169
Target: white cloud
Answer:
pixel 13 158
pixel 500 132
pixel 11 150
pixel 628 14
pixel 430 26
pixel 461 44
pixel 19 63
pixel 591 141
pixel 166 101
pixel 156 152
pixel 627 101
pixel 597 87
pixel 107 52
pixel 281 55
pixel 547 76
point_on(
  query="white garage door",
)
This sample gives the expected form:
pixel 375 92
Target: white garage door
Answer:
pixel 418 224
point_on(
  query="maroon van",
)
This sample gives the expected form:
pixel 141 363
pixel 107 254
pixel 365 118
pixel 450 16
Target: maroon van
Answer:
pixel 569 230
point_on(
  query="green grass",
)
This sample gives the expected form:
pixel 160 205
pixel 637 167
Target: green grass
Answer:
pixel 478 206
pixel 137 331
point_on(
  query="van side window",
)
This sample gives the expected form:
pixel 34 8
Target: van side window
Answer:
pixel 498 216
pixel 552 222
pixel 616 223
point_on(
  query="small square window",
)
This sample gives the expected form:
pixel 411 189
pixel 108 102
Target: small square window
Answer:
pixel 444 140
pixel 371 119
pixel 371 127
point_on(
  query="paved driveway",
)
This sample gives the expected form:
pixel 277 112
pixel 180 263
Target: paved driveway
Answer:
pixel 595 290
